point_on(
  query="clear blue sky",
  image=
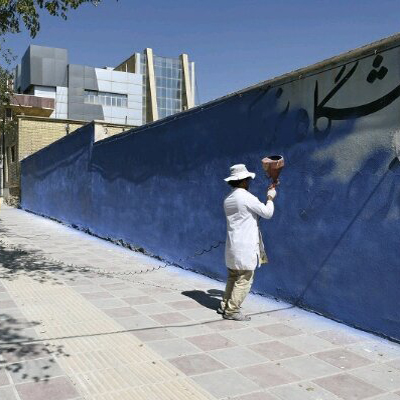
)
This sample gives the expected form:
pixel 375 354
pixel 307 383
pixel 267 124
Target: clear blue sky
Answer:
pixel 234 43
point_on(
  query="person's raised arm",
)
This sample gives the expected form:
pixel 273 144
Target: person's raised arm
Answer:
pixel 261 209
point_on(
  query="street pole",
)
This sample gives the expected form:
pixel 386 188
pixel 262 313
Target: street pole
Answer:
pixel 3 153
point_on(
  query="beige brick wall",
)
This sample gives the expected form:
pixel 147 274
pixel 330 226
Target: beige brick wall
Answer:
pixel 35 133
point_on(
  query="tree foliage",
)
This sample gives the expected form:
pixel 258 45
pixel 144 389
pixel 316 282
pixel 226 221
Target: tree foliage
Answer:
pixel 15 13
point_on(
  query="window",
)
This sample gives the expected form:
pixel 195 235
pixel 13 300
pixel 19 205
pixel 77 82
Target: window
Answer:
pixel 105 98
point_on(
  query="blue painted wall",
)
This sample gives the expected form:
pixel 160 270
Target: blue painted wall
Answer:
pixel 333 241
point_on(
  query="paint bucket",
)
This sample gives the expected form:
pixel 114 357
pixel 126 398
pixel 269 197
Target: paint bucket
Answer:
pixel 272 166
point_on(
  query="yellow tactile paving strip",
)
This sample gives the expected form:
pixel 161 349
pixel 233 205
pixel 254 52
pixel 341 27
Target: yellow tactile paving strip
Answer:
pixel 102 365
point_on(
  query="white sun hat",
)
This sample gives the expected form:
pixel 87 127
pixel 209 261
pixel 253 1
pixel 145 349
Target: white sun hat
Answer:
pixel 239 172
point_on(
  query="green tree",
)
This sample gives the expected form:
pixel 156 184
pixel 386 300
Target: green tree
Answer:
pixel 17 13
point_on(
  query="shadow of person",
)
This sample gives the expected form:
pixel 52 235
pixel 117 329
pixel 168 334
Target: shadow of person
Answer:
pixel 206 299
pixel 216 292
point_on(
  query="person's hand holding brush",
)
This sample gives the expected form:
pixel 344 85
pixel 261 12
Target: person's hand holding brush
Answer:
pixel 271 193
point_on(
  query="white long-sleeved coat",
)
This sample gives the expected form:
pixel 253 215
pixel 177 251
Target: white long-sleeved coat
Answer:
pixel 243 240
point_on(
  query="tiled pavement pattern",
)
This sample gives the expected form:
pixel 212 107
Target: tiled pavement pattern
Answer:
pixel 156 335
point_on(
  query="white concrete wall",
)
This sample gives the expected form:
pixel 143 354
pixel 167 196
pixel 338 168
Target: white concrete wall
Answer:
pixel 45 91
pixel 122 83
pixel 61 110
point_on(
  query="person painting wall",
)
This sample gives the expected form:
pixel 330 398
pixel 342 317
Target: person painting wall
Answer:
pixel 244 250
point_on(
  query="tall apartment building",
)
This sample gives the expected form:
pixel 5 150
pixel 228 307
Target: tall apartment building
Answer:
pixel 168 83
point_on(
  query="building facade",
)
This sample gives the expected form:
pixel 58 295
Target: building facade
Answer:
pixel 80 92
pixel 168 83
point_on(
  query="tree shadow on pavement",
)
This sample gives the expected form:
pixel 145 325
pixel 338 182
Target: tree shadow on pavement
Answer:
pixel 21 354
pixel 16 261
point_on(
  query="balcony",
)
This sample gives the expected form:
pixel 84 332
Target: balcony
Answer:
pixel 25 104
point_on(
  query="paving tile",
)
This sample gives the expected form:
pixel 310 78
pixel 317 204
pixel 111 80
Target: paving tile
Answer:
pixel 377 350
pixel 55 389
pixel 153 308
pixel 3 377
pixel 123 293
pixel 136 322
pixel 184 304
pixel 7 393
pixel 196 364
pixel 136 300
pixel 88 289
pixel 170 348
pixel 149 335
pixel 115 286
pixel 166 297
pixel 279 330
pixel 154 290
pixel 77 281
pixel 212 341
pixel 268 375
pixel 274 350
pixel 226 324
pixel 348 387
pixel 170 318
pixel 256 396
pixel 263 318
pixel 338 338
pixel 307 343
pixel 34 370
pixel 99 280
pixel 235 357
pixel 288 313
pixel 246 336
pixel 342 358
pixel 121 312
pixel 308 367
pixel 97 295
pixel 190 330
pixel 226 383
pixel 313 323
pixel 202 315
pixel 108 303
pixel 380 375
pixel 302 391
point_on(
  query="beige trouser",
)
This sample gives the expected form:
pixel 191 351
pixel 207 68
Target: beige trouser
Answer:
pixel 237 287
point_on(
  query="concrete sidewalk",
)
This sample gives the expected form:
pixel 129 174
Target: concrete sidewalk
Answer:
pixel 67 332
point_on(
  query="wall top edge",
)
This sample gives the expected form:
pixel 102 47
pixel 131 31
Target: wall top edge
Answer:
pixel 321 66
pixel 74 121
